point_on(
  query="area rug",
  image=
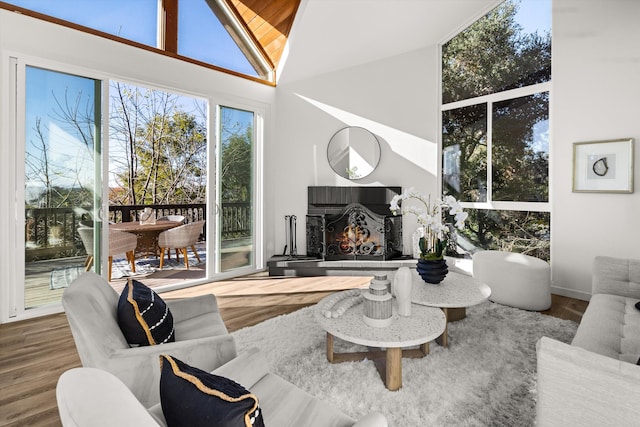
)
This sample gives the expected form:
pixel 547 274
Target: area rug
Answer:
pixel 486 377
pixel 145 266
pixel 62 277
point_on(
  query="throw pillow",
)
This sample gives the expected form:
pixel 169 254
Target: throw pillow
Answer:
pixel 192 397
pixel 143 316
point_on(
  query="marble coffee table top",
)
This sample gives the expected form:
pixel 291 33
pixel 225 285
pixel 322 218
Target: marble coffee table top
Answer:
pixel 455 291
pixel 424 325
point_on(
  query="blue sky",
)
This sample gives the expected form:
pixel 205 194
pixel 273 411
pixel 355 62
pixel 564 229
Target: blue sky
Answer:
pixel 535 15
pixel 200 34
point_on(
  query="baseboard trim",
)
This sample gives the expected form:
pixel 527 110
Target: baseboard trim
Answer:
pixel 571 293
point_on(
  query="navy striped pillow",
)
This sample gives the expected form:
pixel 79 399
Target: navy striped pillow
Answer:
pixel 192 397
pixel 143 316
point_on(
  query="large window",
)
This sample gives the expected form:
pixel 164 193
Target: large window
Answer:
pixel 495 127
pixel 197 33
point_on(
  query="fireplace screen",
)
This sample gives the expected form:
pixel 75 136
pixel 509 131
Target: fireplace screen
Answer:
pixel 356 233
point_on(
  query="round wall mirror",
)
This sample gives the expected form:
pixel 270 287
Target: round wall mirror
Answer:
pixel 353 152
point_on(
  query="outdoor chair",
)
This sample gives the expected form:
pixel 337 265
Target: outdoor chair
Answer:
pixel 177 218
pixel 120 242
pixel 201 337
pixel 180 238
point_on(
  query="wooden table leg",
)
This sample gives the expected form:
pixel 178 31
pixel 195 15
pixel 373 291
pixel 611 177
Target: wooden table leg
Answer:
pixel 329 347
pixel 424 348
pixel 393 378
pixel 388 362
pixel 456 314
pixel 443 339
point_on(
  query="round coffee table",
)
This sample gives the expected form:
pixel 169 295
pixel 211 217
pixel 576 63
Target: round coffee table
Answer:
pixel 455 293
pixel 424 325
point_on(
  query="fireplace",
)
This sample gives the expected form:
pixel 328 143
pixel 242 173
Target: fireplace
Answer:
pixel 353 223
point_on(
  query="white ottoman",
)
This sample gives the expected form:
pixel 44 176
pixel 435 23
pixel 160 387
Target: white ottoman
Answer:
pixel 516 280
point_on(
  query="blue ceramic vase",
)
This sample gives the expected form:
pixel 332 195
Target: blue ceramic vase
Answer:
pixel 432 271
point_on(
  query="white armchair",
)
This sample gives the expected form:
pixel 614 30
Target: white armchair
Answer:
pixel 202 338
pixel 90 397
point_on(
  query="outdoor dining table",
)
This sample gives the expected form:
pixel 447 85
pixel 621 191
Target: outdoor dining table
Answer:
pixel 147 234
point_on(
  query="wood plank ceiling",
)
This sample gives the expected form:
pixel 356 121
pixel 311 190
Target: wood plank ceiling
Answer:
pixel 269 22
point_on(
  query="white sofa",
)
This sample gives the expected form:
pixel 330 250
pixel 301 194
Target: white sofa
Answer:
pixel 90 397
pixel 595 381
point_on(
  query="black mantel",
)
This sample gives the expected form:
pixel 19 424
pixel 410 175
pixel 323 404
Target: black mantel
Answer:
pixel 332 200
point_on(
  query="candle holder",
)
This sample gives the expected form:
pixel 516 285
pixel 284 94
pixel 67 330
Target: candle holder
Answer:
pixel 378 309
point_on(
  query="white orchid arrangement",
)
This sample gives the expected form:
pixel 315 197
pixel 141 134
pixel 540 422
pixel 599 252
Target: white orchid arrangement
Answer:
pixel 435 218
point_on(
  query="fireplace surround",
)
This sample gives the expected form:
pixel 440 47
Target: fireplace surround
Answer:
pixel 352 223
pixel 364 253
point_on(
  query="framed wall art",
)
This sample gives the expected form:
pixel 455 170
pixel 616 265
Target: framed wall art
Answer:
pixel 603 166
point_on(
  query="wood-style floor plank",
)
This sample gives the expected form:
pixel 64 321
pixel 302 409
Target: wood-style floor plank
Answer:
pixel 35 352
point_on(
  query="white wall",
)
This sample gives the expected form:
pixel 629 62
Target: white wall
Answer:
pixel 596 96
pixel 396 99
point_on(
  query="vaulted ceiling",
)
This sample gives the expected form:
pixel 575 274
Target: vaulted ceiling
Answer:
pixel 329 35
pixel 269 22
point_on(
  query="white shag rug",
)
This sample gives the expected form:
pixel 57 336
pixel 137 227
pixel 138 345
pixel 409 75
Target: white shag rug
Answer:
pixel 486 377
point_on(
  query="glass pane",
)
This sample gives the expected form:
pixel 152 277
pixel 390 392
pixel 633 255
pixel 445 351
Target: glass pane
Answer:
pixel 132 20
pixel 520 154
pixel 157 162
pixel 236 188
pixel 61 154
pixel 511 231
pixel 464 153
pixel 201 36
pixel 507 49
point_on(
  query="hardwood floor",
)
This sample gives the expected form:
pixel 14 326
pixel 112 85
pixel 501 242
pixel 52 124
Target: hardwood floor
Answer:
pixel 34 353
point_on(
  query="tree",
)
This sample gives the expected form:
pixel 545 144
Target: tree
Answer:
pixel 159 153
pixel 494 55
pixel 58 180
pixel 236 163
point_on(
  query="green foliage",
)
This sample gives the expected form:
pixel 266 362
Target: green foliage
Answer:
pixel 438 250
pixel 511 231
pixel 162 155
pixel 236 165
pixel 494 55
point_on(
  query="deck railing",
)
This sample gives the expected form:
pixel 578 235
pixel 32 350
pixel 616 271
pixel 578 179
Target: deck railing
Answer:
pixel 52 232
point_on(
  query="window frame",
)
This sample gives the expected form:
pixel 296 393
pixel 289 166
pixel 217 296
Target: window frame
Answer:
pixel 488 101
pixel 167 38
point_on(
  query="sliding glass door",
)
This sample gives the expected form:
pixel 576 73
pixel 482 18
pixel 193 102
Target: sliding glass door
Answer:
pixel 236 230
pixel 94 154
pixel 62 181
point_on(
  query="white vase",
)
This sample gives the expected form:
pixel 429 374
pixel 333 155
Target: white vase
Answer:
pixel 402 283
pixel 419 233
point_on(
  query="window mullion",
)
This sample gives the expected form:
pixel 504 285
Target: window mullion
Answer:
pixel 168 25
pixel 489 196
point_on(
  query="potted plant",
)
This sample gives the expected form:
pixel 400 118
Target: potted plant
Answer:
pixel 436 218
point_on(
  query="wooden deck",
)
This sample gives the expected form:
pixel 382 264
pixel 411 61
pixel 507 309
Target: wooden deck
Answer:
pixel 38 275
